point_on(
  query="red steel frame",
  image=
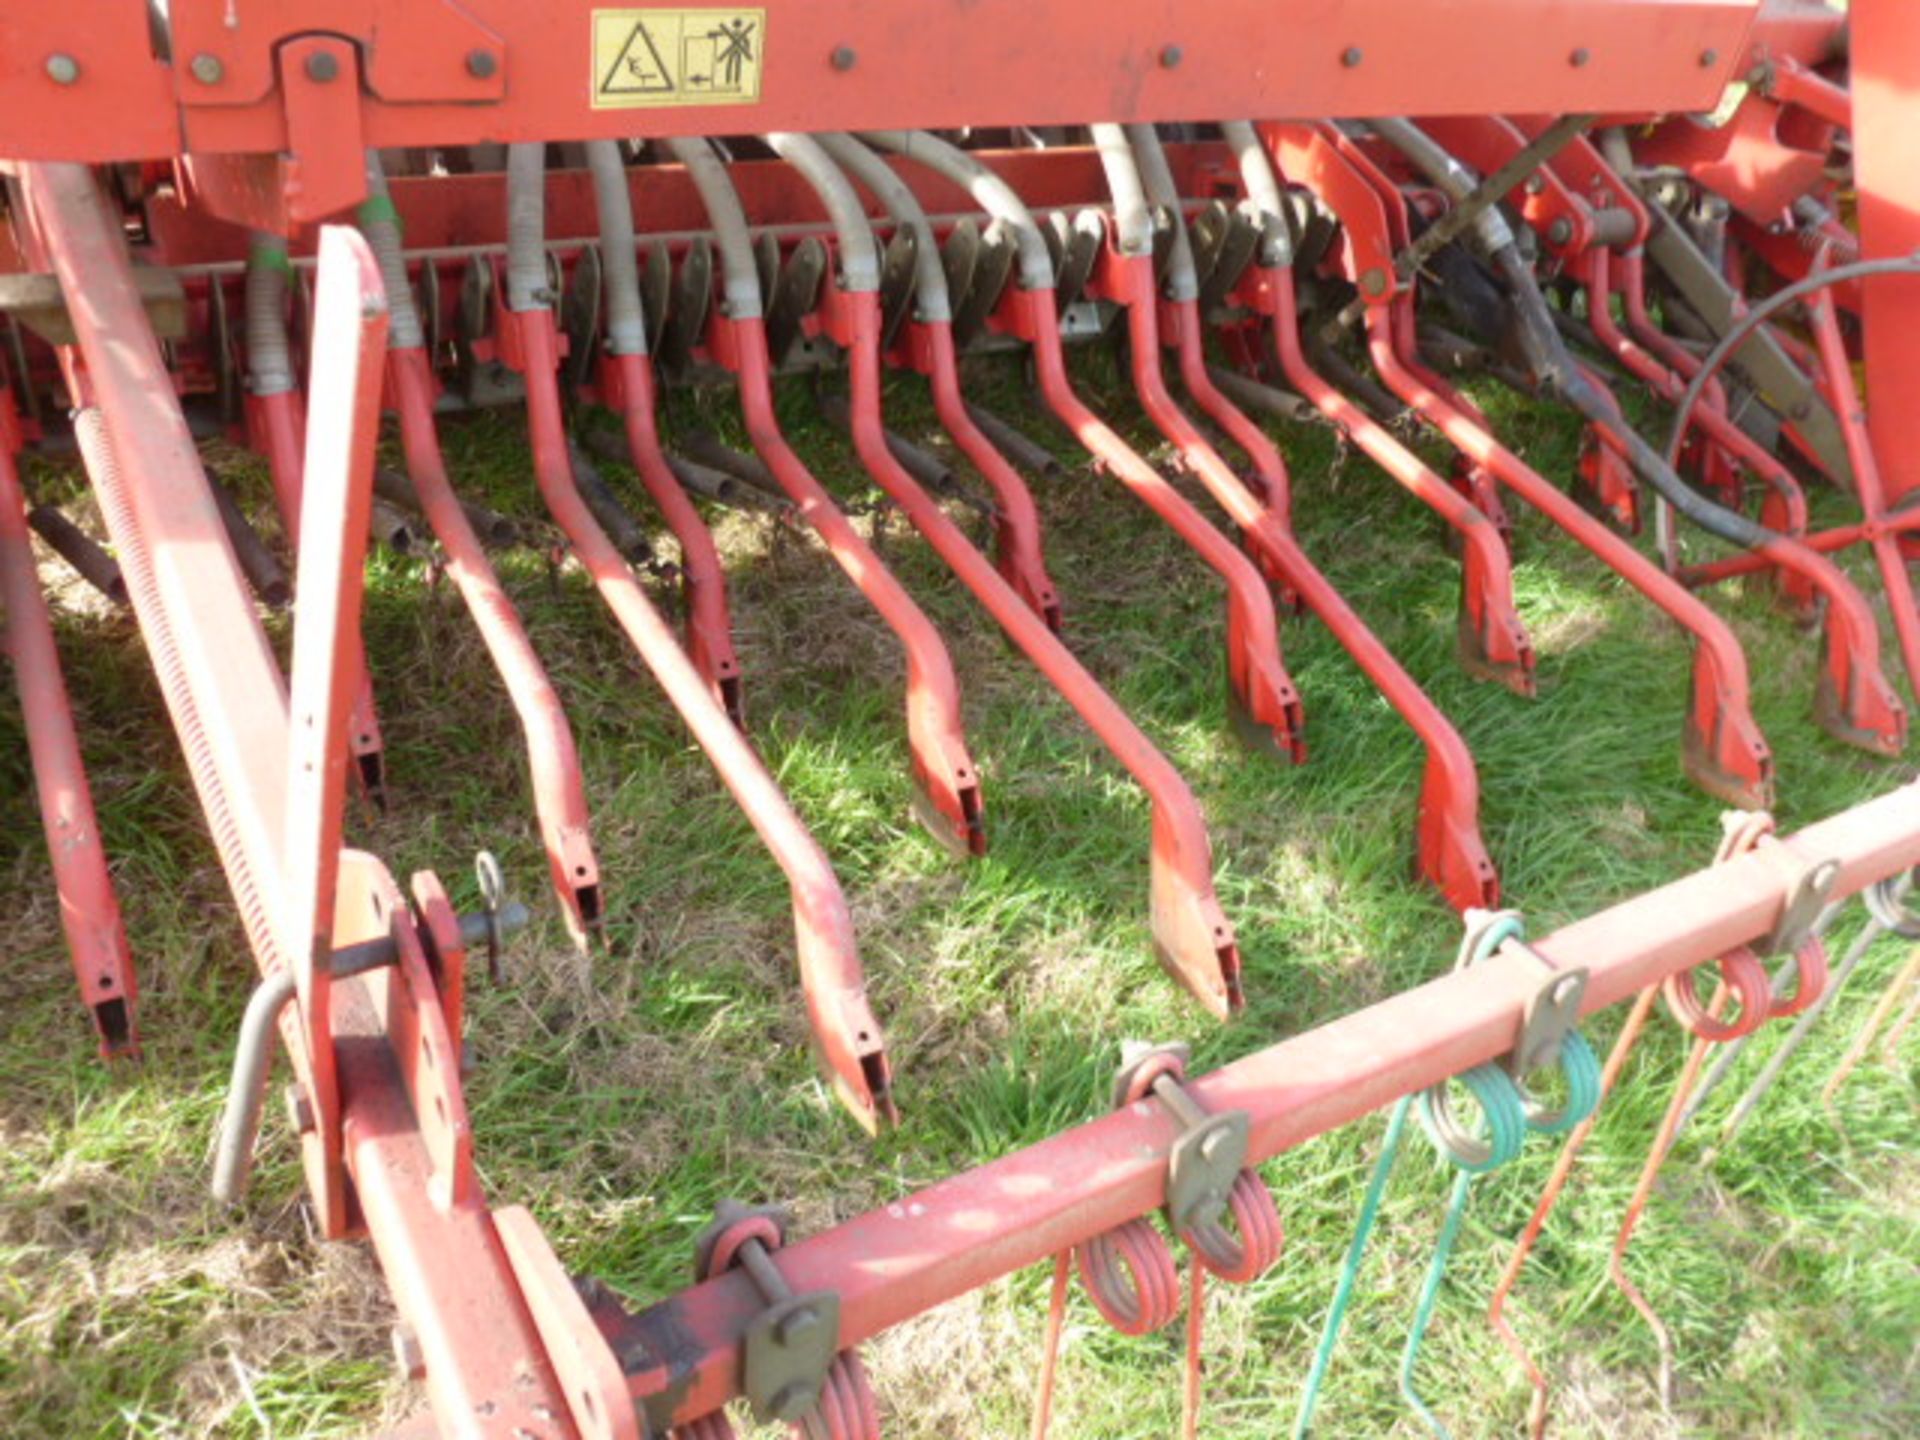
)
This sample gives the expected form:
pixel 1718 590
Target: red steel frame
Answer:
pixel 505 1340
pixel 89 909
pixel 682 1355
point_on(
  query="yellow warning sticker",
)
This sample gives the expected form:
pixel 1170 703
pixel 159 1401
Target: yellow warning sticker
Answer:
pixel 653 57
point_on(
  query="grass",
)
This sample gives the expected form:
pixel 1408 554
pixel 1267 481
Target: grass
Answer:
pixel 620 1096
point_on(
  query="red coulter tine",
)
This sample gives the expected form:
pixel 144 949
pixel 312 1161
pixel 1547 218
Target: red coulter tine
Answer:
pixel 1493 643
pixel 558 792
pixel 89 910
pixel 1450 854
pixel 845 1032
pixel 946 784
pixel 1722 744
pixel 1854 702
pixel 1191 932
pixel 1266 706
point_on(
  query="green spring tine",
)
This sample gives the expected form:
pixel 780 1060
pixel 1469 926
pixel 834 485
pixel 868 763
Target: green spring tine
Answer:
pixel 1350 1271
pixel 1429 1297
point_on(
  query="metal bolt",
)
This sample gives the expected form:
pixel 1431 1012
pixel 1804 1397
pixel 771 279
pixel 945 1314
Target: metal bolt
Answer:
pixel 481 64
pixel 1171 55
pixel 62 69
pixel 1374 281
pixel 792 1327
pixel 1560 231
pixel 322 67
pixel 843 57
pixel 206 68
pixel 406 1353
pixel 1709 59
pixel 1535 184
pixel 1351 56
pixel 1580 57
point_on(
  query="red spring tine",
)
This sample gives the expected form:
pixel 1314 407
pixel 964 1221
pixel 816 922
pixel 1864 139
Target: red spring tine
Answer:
pixel 1050 1344
pixel 1556 1182
pixel 1896 1032
pixel 89 909
pixel 1743 835
pixel 1909 975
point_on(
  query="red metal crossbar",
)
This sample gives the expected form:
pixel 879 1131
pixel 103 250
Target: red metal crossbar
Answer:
pixel 682 1355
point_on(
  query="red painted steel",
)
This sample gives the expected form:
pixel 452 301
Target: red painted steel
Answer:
pixel 559 796
pixel 1854 702
pixel 961 63
pixel 626 382
pixel 846 1035
pixel 1260 688
pixel 1493 643
pixel 279 421
pixel 349 339
pixel 682 1355
pixel 1450 853
pixel 1191 932
pixel 1724 750
pixel 945 781
pixel 89 909
pixel 1844 393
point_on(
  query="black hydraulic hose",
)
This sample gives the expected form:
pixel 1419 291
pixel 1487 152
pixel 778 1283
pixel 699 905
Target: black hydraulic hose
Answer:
pixel 1759 314
pixel 1558 374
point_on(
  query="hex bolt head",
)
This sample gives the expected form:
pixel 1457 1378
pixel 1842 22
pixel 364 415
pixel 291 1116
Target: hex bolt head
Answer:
pixel 1580 57
pixel 843 57
pixel 206 68
pixel 322 67
pixel 1374 281
pixel 1560 231
pixel 62 68
pixel 1535 184
pixel 1170 56
pixel 1352 56
pixel 481 64
pixel 1709 59
pixel 792 1327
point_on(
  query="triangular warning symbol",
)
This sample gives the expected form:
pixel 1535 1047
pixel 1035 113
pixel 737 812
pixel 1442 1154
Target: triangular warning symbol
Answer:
pixel 638 68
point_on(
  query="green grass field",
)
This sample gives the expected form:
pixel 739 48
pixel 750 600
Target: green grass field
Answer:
pixel 621 1095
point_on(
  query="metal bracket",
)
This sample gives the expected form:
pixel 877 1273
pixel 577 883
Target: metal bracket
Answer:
pixel 1552 1012
pixel 789 1346
pixel 1204 1162
pixel 1806 898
